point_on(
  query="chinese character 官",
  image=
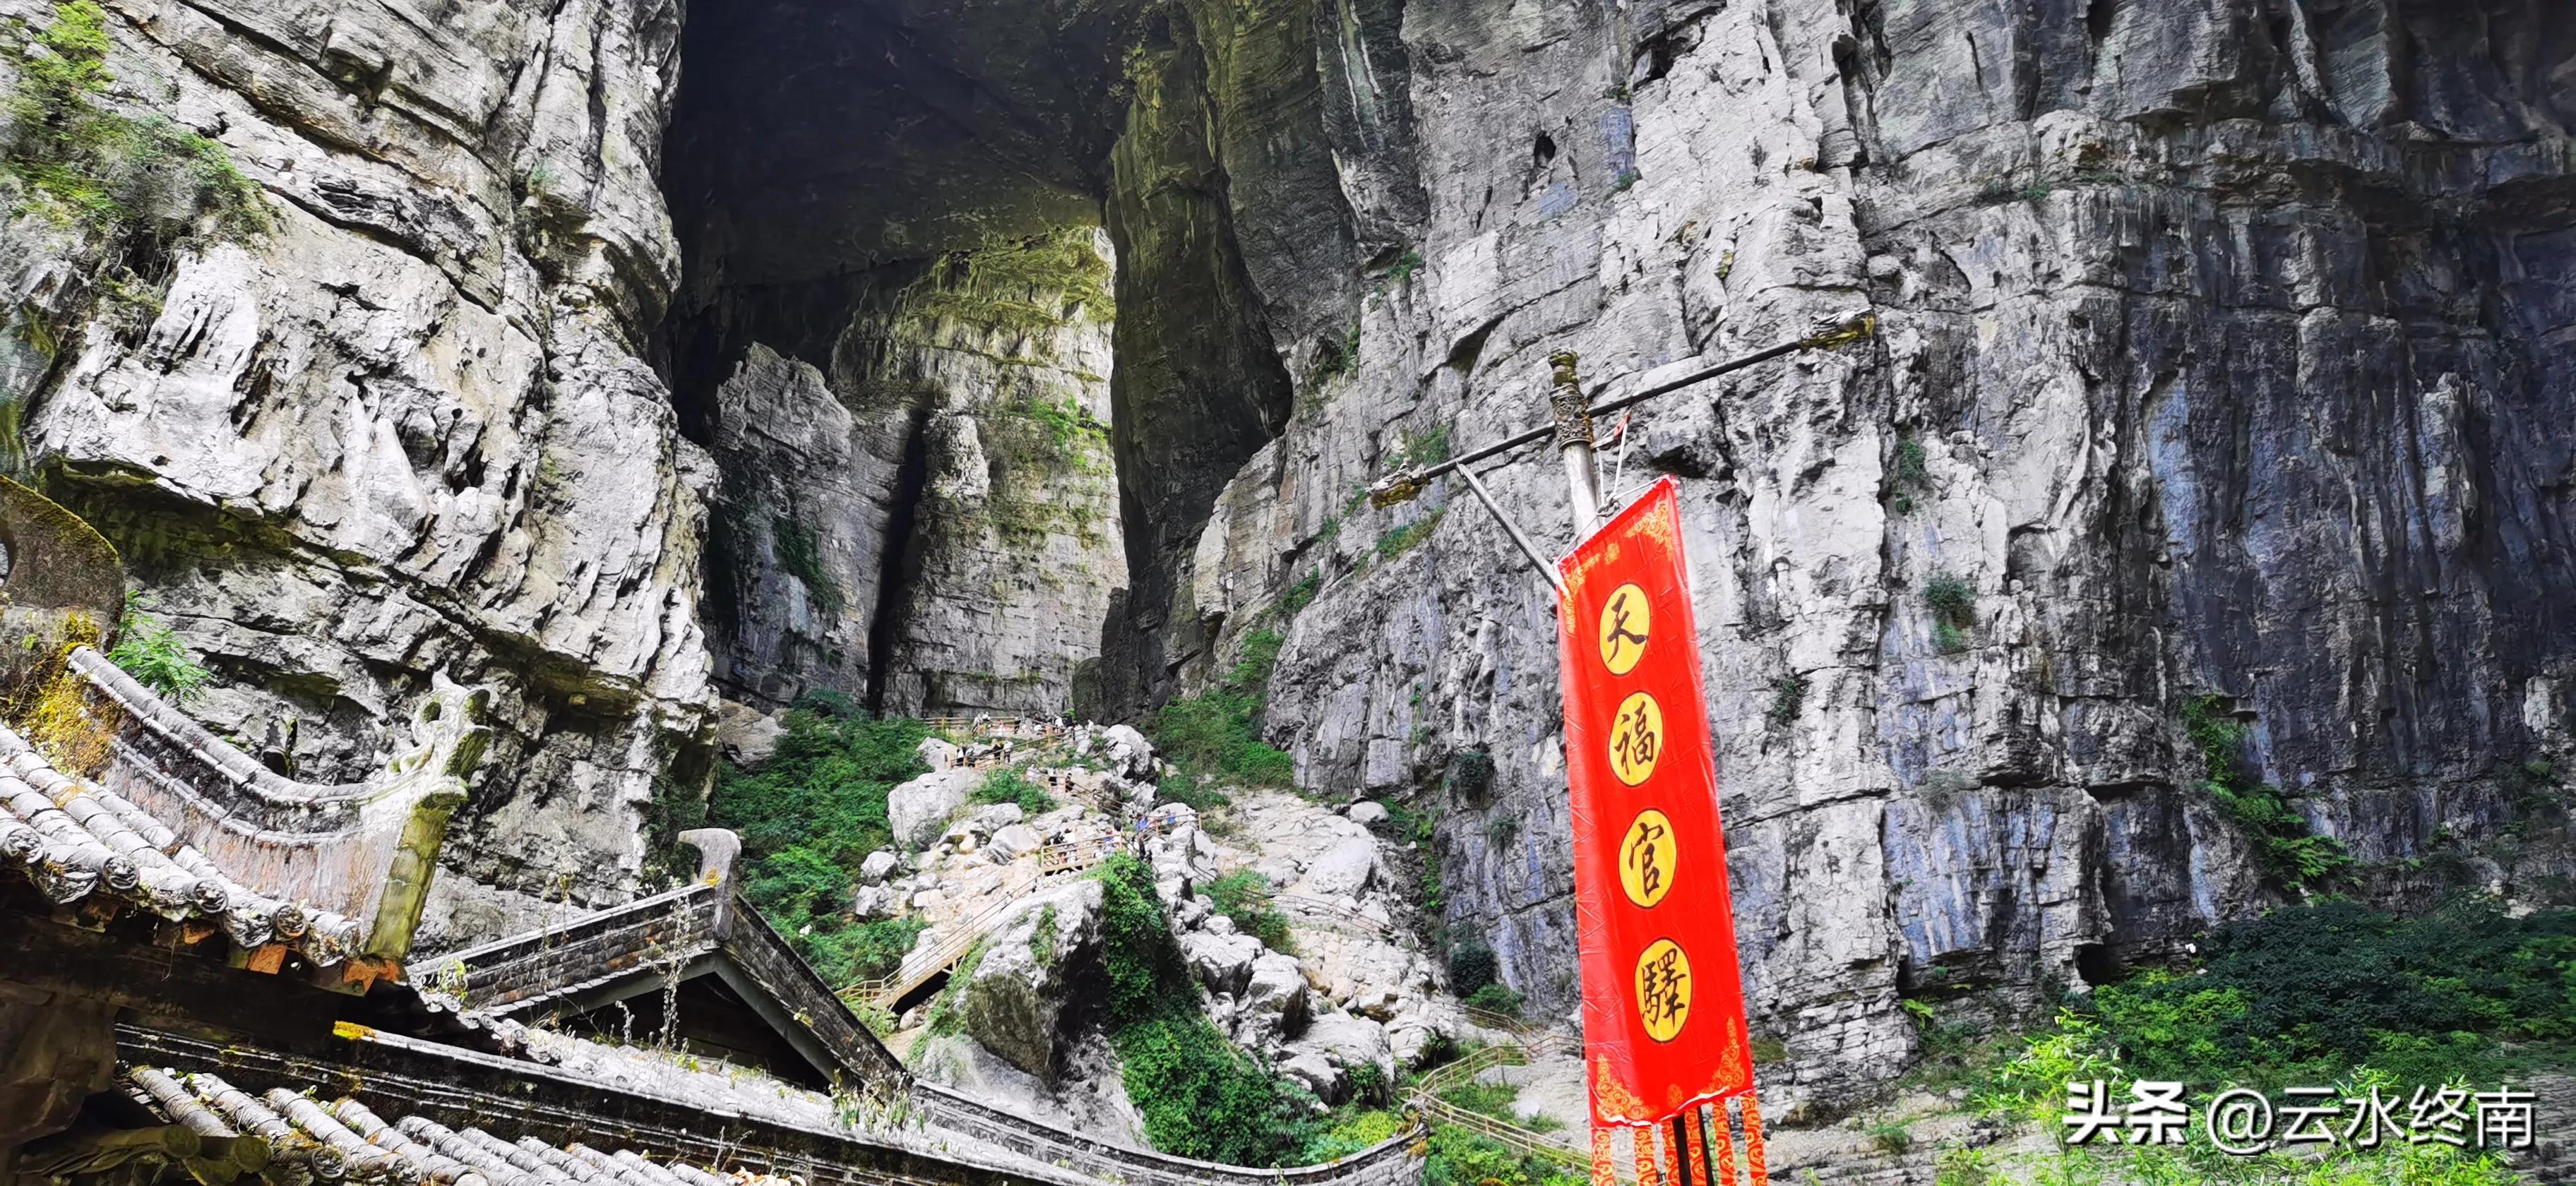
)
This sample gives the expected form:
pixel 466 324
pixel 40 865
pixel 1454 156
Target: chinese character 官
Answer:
pixel 2157 1117
pixel 2504 1119
pixel 2442 1116
pixel 2088 1112
pixel 1641 857
pixel 2302 1124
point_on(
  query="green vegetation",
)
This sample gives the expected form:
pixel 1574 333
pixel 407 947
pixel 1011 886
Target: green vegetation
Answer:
pixel 1012 785
pixel 1954 610
pixel 1358 1130
pixel 1414 450
pixel 1026 285
pixel 1626 179
pixel 1301 594
pixel 1471 967
pixel 1043 938
pixel 1788 695
pixel 800 555
pixel 151 652
pixel 808 816
pixel 1907 475
pixel 2283 845
pixel 1503 829
pixel 1244 896
pixel 1471 775
pixel 1496 997
pixel 2334 993
pixel 1217 733
pixel 1405 266
pixel 82 165
pixel 1889 1134
pixel 1200 1096
pixel 1459 1157
pixel 1397 541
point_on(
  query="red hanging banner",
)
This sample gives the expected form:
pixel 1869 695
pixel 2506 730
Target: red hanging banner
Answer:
pixel 1663 1004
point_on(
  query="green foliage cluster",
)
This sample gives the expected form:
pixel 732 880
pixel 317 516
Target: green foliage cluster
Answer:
pixel 1244 896
pixel 1405 266
pixel 1954 609
pixel 2334 993
pixel 1415 449
pixel 1301 594
pixel 1471 775
pixel 1397 541
pixel 1908 475
pixel 1027 285
pixel 1011 785
pixel 2307 992
pixel 1200 1096
pixel 86 166
pixel 1472 967
pixel 1496 997
pixel 1217 733
pixel 150 651
pixel 2283 844
pixel 1358 1130
pixel 808 817
pixel 1788 695
pixel 800 555
pixel 1459 1157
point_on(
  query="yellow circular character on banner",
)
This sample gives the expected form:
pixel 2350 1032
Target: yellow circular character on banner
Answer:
pixel 1648 858
pixel 1636 738
pixel 1663 989
pixel 1626 619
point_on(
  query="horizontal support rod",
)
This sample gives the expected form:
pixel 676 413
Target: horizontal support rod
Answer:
pixel 1401 487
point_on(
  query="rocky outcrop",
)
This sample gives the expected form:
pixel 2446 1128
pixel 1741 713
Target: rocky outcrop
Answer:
pixel 922 516
pixel 1023 981
pixel 383 412
pixel 2207 365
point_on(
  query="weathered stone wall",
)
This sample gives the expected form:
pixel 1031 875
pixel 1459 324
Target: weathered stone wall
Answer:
pixel 408 428
pixel 923 517
pixel 2216 355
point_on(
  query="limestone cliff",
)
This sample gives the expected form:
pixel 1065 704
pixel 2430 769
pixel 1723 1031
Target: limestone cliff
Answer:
pixel 371 405
pixel 2216 357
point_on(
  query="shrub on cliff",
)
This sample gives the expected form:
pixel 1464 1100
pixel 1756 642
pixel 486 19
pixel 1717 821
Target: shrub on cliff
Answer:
pixel 1200 1096
pixel 808 817
pixel 79 163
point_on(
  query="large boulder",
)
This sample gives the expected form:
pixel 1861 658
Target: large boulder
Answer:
pixel 880 865
pixel 1343 870
pixel 1016 996
pixel 936 754
pixel 1222 963
pixel 1128 753
pixel 916 809
pixel 1332 1052
pixel 1274 1002
pixel 1012 841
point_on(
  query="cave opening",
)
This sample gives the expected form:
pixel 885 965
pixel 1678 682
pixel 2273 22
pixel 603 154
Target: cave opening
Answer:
pixel 896 331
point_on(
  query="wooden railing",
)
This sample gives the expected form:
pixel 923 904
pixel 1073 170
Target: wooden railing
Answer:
pixel 1530 1042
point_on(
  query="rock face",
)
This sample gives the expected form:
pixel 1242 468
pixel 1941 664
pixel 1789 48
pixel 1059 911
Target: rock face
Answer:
pixel 923 517
pixel 2210 361
pixel 407 428
pixel 1021 986
pixel 916 810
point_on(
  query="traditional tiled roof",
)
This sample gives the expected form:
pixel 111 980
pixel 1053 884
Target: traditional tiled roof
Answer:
pixel 345 1139
pixel 76 841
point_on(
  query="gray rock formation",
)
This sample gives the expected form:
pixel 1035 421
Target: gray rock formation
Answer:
pixel 1022 984
pixel 2209 363
pixel 406 428
pixel 917 810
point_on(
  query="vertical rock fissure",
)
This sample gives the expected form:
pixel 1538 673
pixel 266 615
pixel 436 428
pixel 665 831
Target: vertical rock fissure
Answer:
pixel 902 564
